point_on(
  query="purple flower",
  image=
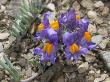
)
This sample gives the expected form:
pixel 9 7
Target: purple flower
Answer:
pixel 45 19
pixel 62 19
pixel 71 19
pixel 83 24
pixel 40 35
pixel 83 27
pixel 48 53
pixel 52 35
pixel 86 41
pixel 73 50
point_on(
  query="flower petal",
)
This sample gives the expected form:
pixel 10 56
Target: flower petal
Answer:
pixel 67 38
pixel 84 51
pixel 38 51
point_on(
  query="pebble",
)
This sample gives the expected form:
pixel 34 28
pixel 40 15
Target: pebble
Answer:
pixel 92 28
pixel 76 6
pixel 108 45
pixel 91 72
pixel 97 80
pixel 97 39
pixel 2 9
pixel 99 4
pixel 87 4
pixel 2 58
pixel 103 44
pixel 90 58
pixel 103 32
pixel 97 75
pixel 4 36
pixel 106 58
pixel 4 81
pixel 18 68
pixel 107 80
pixel 60 79
pixel 103 76
pixel 83 67
pixel 51 6
pixel 90 78
pixel 73 75
pixel 22 62
pixel 92 14
pixel 28 72
pixel 99 20
pixel 3 2
pixel 1 47
pixel 12 39
pixel 6 44
pixel 105 11
pixel 28 56
pixel 1 74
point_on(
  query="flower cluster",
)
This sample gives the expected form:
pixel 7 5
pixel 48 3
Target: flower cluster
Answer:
pixel 68 30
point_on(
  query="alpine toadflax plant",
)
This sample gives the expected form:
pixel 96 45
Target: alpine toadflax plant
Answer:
pixel 69 31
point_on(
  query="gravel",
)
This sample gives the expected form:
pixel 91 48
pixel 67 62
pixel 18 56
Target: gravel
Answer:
pixel 88 69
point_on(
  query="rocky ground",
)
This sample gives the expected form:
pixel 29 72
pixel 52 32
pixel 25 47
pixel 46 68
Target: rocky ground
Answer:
pixel 95 67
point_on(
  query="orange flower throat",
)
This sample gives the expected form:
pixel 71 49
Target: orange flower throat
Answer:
pixel 48 47
pixel 40 27
pixel 74 48
pixel 54 25
pixel 87 36
pixel 77 17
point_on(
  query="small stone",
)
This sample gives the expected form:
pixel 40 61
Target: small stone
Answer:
pixel 1 47
pixel 97 39
pixel 92 28
pixel 28 56
pixel 103 76
pixel 51 6
pixel 4 36
pixel 97 74
pixel 87 4
pixel 100 79
pixel 3 2
pixel 61 79
pixel 105 11
pixel 3 8
pixel 22 62
pixel 12 39
pixel 4 81
pixel 103 32
pixel 73 75
pixel 76 6
pixel 90 78
pixel 1 57
pixel 103 43
pixel 92 14
pixel 97 80
pixel 91 72
pixel 108 45
pixel 1 74
pixel 28 72
pixel 90 58
pixel 6 44
pixel 69 69
pixel 107 80
pixel 83 67
pixel 99 20
pixel 99 4
pixel 106 58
